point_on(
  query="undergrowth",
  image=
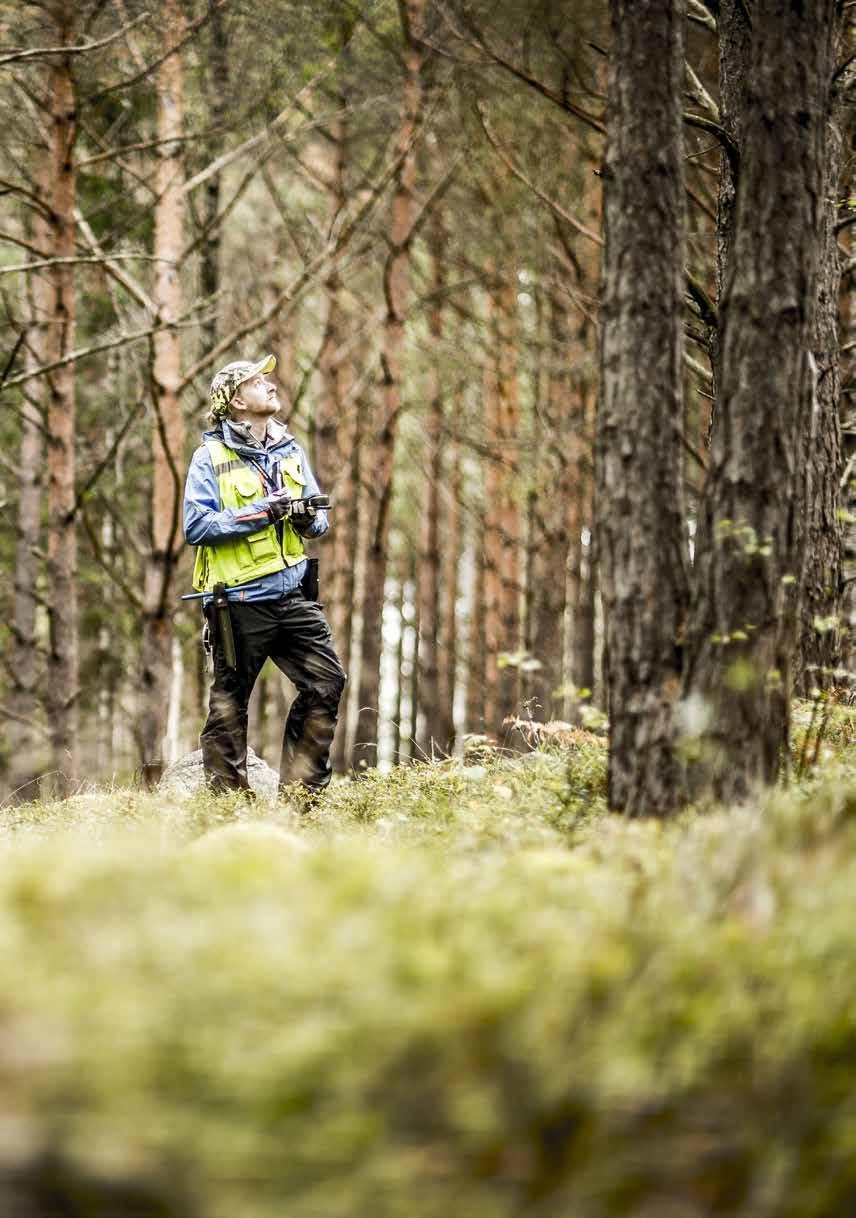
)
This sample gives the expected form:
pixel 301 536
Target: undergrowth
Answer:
pixel 456 989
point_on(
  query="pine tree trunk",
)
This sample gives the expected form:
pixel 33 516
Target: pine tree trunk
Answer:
pixel 433 738
pixel 168 430
pixel 640 522
pixel 24 736
pixel 217 91
pixel 554 509
pixel 346 546
pixel 491 554
pixel 476 659
pixel 396 287
pixel 449 649
pixel 62 699
pixel 508 401
pixel 819 653
pixel 735 40
pixel 749 547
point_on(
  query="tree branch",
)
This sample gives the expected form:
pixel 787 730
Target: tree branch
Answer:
pixel 518 173
pixel 38 52
pixel 715 129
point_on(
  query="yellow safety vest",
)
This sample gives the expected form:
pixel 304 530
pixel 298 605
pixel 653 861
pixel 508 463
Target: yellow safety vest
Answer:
pixel 241 559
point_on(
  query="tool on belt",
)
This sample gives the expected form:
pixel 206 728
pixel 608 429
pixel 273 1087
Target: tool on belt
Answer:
pixel 220 601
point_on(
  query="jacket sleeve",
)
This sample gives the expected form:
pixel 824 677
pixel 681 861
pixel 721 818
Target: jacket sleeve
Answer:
pixel 319 524
pixel 205 522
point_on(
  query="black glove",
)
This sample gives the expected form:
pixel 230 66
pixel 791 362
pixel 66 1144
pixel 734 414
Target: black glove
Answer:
pixel 278 506
pixel 302 514
pixel 281 504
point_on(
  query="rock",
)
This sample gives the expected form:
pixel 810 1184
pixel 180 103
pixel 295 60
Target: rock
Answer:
pixel 185 776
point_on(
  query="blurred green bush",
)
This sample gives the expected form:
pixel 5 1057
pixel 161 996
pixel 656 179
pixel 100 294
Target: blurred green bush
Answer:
pixel 454 991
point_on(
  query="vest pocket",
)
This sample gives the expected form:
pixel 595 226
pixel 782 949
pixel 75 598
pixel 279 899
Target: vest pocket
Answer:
pixel 247 486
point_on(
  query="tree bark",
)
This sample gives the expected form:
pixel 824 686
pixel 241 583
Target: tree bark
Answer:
pixel 735 40
pixel 217 92
pixel 433 737
pixel 554 510
pixel 509 507
pixel 474 720
pixel 448 658
pixel 62 697
pixel 640 521
pixel 396 287
pixel 168 428
pixel 819 654
pixel 25 738
pixel 750 545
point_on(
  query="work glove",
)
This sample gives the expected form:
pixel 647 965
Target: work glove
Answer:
pixel 281 505
pixel 302 514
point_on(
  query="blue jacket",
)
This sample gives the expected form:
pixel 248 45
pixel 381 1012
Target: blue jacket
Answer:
pixel 206 523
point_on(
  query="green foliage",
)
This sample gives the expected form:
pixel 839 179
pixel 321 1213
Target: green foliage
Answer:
pixel 454 989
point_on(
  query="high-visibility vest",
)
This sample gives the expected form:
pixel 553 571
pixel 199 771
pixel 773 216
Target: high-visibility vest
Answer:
pixel 241 559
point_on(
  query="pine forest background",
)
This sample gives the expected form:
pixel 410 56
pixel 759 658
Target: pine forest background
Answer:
pixel 404 203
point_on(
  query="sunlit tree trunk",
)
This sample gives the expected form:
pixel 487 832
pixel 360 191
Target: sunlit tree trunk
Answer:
pixel 642 560
pixel 396 286
pixel 62 694
pixel 749 548
pixel 168 428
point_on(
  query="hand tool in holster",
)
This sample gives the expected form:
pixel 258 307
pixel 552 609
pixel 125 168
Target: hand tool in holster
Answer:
pixel 220 601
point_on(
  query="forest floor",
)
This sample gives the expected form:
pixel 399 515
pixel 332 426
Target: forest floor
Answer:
pixel 459 989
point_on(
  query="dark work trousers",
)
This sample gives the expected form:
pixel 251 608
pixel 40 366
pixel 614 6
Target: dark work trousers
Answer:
pixel 294 633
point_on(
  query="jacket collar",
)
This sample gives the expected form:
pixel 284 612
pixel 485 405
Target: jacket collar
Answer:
pixel 236 438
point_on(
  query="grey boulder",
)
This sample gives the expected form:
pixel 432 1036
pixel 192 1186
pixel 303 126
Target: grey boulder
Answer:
pixel 186 775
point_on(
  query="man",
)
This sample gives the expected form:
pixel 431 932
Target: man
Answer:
pixel 246 509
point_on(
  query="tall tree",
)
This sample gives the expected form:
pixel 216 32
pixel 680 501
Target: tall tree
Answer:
pixel 819 652
pixel 640 521
pixel 168 423
pixel 63 677
pixel 396 280
pixel 432 540
pixel 749 548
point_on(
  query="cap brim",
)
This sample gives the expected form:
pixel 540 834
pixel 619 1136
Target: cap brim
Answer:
pixel 266 364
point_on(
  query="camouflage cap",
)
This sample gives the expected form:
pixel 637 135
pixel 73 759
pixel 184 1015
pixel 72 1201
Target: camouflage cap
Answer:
pixel 226 382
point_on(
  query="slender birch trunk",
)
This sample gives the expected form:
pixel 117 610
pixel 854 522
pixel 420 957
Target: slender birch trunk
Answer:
pixel 168 429
pixel 62 697
pixel 396 287
pixel 640 521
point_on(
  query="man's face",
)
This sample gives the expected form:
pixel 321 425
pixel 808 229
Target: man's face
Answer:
pixel 256 397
